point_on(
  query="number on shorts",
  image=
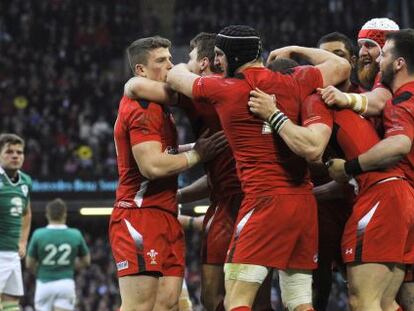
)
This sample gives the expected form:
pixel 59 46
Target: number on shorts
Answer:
pixel 62 252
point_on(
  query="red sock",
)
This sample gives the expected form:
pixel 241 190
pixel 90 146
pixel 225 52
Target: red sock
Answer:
pixel 220 306
pixel 243 308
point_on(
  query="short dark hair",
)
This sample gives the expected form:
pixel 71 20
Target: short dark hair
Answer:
pixel 205 42
pixel 56 209
pixel 283 65
pixel 337 36
pixel 138 50
pixel 403 46
pixel 9 138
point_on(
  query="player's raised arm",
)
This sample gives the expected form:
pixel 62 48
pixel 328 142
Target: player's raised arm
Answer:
pixel 368 104
pixel 181 79
pixel 143 88
pixel 334 69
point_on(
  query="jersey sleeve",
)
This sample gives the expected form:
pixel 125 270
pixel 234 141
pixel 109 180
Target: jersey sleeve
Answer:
pixel 145 125
pixel 399 119
pixel 307 78
pixel 32 248
pixel 315 111
pixel 83 249
pixel 206 87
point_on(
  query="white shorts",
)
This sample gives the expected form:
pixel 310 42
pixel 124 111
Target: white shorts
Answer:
pixel 11 280
pixel 60 294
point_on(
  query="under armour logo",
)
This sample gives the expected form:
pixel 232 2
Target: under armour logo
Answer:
pixel 152 253
pixel 348 251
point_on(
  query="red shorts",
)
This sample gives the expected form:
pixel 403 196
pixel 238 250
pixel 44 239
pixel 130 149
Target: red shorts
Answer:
pixel 218 227
pixel 147 240
pixel 380 228
pixel 277 231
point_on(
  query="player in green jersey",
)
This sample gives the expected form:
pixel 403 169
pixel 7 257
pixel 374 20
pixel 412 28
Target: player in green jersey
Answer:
pixel 15 218
pixel 55 251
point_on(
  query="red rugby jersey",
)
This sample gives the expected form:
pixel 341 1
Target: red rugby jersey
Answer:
pixel 264 162
pixel 221 170
pixel 351 136
pixel 138 122
pixel 399 120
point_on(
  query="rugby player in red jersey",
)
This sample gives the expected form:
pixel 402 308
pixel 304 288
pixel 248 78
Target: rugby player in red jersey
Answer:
pixel 222 183
pixel 146 238
pixel 371 39
pixel 397 69
pixel 377 239
pixel 269 233
pixel 334 200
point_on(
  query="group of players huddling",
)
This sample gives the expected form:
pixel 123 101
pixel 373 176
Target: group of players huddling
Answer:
pixel 261 132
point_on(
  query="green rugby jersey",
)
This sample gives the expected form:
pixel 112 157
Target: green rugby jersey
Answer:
pixel 13 204
pixel 55 248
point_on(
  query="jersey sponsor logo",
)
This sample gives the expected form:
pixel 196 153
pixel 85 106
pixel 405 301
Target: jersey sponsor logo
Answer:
pixel 25 190
pixel 153 254
pixel 348 251
pixel 122 265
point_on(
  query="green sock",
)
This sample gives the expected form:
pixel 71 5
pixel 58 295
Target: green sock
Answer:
pixel 10 306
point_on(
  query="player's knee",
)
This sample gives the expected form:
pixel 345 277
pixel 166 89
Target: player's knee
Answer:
pixel 245 272
pixel 296 288
pixel 167 302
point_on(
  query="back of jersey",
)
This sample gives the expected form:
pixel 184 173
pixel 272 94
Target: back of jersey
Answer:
pixel 55 248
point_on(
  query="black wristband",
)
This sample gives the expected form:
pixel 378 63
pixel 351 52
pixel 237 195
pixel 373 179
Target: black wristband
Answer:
pixel 353 168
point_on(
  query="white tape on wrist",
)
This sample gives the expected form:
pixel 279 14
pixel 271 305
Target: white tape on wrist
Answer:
pixel 357 102
pixel 192 157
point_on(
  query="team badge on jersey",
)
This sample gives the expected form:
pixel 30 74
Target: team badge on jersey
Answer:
pixel 153 254
pixel 25 190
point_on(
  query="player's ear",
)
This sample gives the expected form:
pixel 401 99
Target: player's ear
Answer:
pixel 204 63
pixel 140 70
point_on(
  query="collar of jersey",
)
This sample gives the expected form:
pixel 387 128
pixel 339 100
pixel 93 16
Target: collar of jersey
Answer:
pixel 3 172
pixel 56 226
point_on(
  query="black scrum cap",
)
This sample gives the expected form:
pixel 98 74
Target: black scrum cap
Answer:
pixel 241 44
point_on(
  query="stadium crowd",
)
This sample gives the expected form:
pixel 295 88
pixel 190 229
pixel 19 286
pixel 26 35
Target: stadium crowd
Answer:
pixel 64 98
